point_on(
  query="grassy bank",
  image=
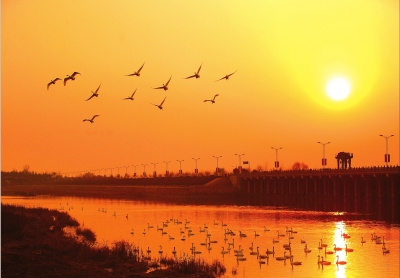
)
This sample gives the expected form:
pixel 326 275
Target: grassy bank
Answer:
pixel 35 244
pixel 213 189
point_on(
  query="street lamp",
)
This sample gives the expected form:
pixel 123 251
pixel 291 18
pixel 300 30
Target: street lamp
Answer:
pixel 144 170
pixel 240 165
pixel 217 169
pixel 180 166
pixel 134 173
pixel 154 173
pixel 276 161
pixel 387 155
pixel 166 167
pixel 323 153
pixel 195 169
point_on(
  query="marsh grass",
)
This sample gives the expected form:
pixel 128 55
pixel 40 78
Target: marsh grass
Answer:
pixel 35 244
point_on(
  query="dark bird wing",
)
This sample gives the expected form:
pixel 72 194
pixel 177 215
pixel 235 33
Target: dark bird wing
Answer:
pixel 75 73
pixel 94 117
pixel 97 89
pixel 194 75
pixel 221 79
pixel 215 96
pixel 66 79
pixel 166 84
pixel 140 68
pixel 163 101
pixel 198 71
pixel 90 97
pixel 231 73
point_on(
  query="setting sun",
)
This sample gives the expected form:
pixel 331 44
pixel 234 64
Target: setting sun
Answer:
pixel 338 88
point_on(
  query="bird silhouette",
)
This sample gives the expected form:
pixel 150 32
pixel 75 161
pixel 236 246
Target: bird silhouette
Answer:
pixel 70 77
pixel 226 76
pixel 95 93
pixel 52 82
pixel 212 100
pixel 196 74
pixel 91 121
pixel 137 73
pixel 131 97
pixel 164 86
pixel 161 104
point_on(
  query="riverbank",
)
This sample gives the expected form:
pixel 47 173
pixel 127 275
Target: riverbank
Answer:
pixel 214 189
pixel 35 243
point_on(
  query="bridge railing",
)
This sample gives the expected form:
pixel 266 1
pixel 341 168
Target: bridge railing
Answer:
pixel 325 171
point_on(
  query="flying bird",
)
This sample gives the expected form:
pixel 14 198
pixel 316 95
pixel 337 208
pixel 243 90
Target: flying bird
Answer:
pixel 164 86
pixel 212 100
pixel 196 74
pixel 131 97
pixel 70 77
pixel 137 73
pixel 91 120
pixel 95 93
pixel 52 82
pixel 160 106
pixel 226 76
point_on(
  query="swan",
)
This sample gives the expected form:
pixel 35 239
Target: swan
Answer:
pixel 196 252
pixel 254 252
pixel 266 230
pixel 348 249
pixel 223 224
pixel 131 97
pixel 212 100
pixel 238 250
pixel 242 234
pixel 264 256
pixel 226 77
pixel 202 230
pixel 232 243
pixel 164 86
pixel 132 232
pixel 241 258
pixel 384 249
pixel 306 250
pixel 251 247
pixel 91 121
pixel 303 241
pixel 183 238
pixel 281 258
pixel 322 261
pixel 149 226
pixel 144 231
pixel 95 93
pixel 161 104
pixel 137 73
pixel 337 248
pixel 70 77
pixel 362 240
pixel 271 252
pixel 174 251
pixel 255 234
pixel 294 262
pixel 340 262
pixel 52 82
pixel 287 245
pixel 280 234
pixel 328 252
pixel 323 244
pixel 196 74
pixel 171 237
pixel 275 240
pixel 160 251
pixel 148 250
pixel 224 251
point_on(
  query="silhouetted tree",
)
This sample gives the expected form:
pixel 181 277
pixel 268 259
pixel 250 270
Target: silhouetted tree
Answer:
pixel 299 166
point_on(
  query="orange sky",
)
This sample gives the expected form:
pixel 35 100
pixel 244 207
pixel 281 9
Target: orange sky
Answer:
pixel 285 53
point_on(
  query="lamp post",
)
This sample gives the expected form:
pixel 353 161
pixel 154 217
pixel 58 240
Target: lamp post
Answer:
pixel 217 169
pixel 111 172
pixel 323 153
pixel 180 166
pixel 166 168
pixel 240 163
pixel 387 155
pixel 144 170
pixel 276 161
pixel 154 173
pixel 134 173
pixel 196 171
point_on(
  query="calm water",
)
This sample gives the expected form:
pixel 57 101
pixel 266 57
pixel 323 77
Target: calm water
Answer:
pixel 367 259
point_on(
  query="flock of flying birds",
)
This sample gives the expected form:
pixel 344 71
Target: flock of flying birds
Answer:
pixel 131 97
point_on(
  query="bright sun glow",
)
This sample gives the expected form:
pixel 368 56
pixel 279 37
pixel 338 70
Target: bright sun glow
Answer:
pixel 338 88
